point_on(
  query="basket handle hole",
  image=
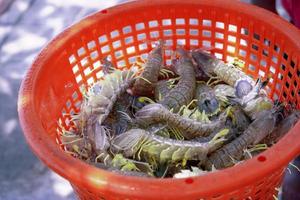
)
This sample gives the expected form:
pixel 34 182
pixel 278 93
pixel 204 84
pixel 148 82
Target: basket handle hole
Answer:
pixel 104 11
pixel 261 158
pixel 189 181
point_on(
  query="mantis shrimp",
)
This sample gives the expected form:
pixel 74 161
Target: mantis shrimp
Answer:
pixel 138 143
pixel 89 133
pixel 145 83
pixel 98 104
pixel 246 89
pixel 253 102
pixel 89 137
pixel 110 89
pixel 235 126
pixel 233 151
pixel 122 114
pixel 165 120
pixel 283 127
pixel 157 113
pixel 227 73
pixel 184 91
pixel 162 88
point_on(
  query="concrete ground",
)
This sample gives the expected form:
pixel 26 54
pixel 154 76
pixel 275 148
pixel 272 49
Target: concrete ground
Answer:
pixel 25 27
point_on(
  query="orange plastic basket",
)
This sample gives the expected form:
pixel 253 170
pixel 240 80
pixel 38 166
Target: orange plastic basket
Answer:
pixel 50 91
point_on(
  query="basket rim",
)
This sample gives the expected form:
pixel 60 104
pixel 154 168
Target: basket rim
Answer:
pixel 88 176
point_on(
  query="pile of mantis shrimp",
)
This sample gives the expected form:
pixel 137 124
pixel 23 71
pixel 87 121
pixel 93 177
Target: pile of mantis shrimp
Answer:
pixel 197 115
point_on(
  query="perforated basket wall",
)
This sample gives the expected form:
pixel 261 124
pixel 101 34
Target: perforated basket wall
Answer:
pixel 51 90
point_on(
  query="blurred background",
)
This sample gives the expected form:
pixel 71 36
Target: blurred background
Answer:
pixel 25 27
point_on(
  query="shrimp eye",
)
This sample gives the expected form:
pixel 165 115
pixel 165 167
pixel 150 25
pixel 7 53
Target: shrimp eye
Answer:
pixel 206 102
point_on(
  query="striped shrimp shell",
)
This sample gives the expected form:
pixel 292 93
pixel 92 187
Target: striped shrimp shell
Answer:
pixel 156 113
pixel 146 84
pixel 111 87
pixel 184 91
pixel 136 142
pixel 228 73
pixel 233 151
pixel 162 88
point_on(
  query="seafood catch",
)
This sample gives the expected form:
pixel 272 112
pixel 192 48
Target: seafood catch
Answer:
pixel 196 115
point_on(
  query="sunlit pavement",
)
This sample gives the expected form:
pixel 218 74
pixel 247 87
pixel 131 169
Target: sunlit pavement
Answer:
pixel 25 27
